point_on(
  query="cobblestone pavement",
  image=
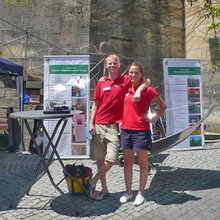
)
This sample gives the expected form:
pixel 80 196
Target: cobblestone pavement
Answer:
pixel 182 185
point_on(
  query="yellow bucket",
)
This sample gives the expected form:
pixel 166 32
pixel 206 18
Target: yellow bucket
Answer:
pixel 74 187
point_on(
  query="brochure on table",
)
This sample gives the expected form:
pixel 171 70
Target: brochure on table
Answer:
pixel 66 83
pixel 183 96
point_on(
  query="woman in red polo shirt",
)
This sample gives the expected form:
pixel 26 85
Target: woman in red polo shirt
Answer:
pixel 135 131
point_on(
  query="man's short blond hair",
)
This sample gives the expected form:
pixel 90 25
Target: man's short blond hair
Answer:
pixel 113 56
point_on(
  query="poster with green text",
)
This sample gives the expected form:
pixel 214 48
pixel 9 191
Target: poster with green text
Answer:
pixel 183 96
pixel 66 83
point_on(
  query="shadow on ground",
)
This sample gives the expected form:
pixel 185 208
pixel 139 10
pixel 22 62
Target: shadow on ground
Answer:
pixel 85 206
pixel 167 185
pixel 170 183
pixel 16 172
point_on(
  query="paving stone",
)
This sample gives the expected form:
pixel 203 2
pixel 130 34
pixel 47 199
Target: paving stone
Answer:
pixel 184 181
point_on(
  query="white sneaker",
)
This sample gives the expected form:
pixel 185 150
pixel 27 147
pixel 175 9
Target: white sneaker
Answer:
pixel 139 200
pixel 125 198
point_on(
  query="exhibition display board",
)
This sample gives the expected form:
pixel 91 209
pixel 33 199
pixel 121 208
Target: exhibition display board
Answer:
pixel 183 96
pixel 66 84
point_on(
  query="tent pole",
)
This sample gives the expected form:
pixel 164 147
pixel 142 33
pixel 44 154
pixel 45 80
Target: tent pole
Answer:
pixel 22 88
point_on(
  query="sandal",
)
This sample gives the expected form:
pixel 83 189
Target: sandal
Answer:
pixel 102 195
pixel 91 191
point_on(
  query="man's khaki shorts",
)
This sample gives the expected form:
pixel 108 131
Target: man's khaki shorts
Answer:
pixel 105 144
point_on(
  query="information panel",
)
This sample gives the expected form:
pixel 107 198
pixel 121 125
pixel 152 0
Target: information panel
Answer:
pixel 183 96
pixel 66 83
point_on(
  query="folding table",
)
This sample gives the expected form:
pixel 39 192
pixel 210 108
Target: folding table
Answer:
pixel 40 115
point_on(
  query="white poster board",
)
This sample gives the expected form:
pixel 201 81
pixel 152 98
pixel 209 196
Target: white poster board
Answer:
pixel 66 83
pixel 183 96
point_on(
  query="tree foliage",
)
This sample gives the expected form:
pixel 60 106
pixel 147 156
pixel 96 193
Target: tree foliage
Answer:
pixel 213 11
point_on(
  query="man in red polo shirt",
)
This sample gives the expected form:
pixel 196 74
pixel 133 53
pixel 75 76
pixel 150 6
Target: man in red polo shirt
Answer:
pixel 106 114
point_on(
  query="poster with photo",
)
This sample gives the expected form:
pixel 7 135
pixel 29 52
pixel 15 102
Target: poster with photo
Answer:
pixel 66 83
pixel 198 130
pixel 79 128
pixel 79 149
pixel 183 96
pixel 194 108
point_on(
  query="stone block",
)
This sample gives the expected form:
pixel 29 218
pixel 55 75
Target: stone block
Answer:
pixel 41 24
pixel 2 92
pixel 77 3
pixel 74 11
pixel 43 3
pixel 175 22
pixel 9 102
pixel 3 112
pixel 51 10
pixel 13 47
pixel 176 3
pixel 9 35
pixel 14 18
pixel 34 65
pixel 1 84
pixel 42 91
pixel 155 39
pixel 173 11
pixel 205 54
pixel 34 85
pixel 28 107
pixel 10 92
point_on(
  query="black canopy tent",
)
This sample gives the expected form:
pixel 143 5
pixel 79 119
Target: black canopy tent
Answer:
pixel 12 69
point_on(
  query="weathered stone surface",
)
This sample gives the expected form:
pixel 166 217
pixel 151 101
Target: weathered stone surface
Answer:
pixel 10 93
pixel 34 85
pixel 176 3
pixel 9 102
pixel 198 47
pixel 142 30
pixel 2 92
pixel 3 112
pixel 137 29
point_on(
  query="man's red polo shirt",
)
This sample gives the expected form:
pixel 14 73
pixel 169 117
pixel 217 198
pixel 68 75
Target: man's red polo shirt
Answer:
pixel 111 96
pixel 133 111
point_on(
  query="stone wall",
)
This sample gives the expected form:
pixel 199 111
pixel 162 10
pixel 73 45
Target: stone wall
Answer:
pixel 63 24
pixel 64 28
pixel 143 30
pixel 204 45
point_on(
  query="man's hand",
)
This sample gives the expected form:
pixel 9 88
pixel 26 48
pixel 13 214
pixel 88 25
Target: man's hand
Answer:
pixel 142 87
pixel 137 96
pixel 102 79
pixel 92 118
pixel 92 129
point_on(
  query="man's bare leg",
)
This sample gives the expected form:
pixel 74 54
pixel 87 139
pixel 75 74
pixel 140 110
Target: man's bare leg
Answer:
pixel 103 168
